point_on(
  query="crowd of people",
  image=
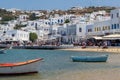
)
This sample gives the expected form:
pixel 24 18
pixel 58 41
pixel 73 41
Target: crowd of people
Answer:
pixel 103 44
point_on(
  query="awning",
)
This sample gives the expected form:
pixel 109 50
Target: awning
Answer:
pixel 112 36
pixel 98 38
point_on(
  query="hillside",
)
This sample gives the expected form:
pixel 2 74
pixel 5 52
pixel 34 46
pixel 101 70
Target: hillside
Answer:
pixel 7 16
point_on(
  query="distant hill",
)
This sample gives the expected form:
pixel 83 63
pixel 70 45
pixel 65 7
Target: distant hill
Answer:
pixel 7 16
pixel 81 11
pixel 90 10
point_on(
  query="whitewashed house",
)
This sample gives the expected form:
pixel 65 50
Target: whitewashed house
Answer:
pixel 101 24
pixel 37 13
pixel 16 35
pixel 43 32
pixel 13 10
pixel 6 27
pixel 99 28
pixel 106 25
pixel 23 17
pixel 58 20
pixel 115 21
pixel 76 8
pixel 74 32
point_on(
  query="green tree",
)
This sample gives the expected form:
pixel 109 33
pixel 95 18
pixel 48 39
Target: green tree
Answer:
pixel 19 26
pixel 3 22
pixel 33 37
pixel 67 21
pixel 7 18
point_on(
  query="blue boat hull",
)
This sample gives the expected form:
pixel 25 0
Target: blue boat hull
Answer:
pixel 101 58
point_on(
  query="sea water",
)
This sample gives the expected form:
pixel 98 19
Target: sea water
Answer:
pixel 56 63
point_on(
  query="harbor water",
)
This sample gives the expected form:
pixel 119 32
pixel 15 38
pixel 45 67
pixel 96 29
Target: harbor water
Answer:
pixel 57 65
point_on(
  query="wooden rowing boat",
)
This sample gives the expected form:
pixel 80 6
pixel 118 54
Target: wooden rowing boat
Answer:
pixel 97 58
pixel 30 66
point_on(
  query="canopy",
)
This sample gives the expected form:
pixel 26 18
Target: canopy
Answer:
pixel 112 36
pixel 97 38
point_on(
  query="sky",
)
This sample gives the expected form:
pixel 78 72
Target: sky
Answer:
pixel 55 4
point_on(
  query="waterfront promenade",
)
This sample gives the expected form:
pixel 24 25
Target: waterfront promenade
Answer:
pixel 110 49
pixel 95 49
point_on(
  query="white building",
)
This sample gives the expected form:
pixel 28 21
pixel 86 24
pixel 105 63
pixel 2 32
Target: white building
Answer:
pixel 6 27
pixel 106 25
pixel 58 20
pixel 76 8
pixel 100 28
pixel 115 21
pixel 13 10
pixel 23 17
pixel 43 32
pixel 74 32
pixel 37 13
pixel 15 35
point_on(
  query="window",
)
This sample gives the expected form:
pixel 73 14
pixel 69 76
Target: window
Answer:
pixel 117 15
pixel 4 32
pixel 13 35
pixel 80 29
pixel 114 26
pixel 111 15
pixel 61 21
pixel 58 20
pixel 117 26
pixel 103 28
pixel 95 29
pixel 89 30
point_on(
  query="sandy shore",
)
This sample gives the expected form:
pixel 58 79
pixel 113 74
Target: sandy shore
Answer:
pixel 107 74
pixel 96 49
pixel 110 73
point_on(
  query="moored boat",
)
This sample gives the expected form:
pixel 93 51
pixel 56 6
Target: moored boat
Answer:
pixel 30 66
pixel 2 51
pixel 98 58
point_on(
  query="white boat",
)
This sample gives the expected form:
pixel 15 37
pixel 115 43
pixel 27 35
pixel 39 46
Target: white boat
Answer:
pixel 30 66
pixel 2 51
